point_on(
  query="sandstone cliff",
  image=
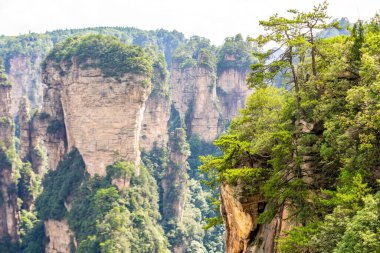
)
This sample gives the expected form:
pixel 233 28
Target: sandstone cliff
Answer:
pixel 8 189
pixel 59 236
pixel 24 74
pixel 48 133
pixel 232 90
pixel 92 110
pixel 174 183
pixel 194 97
pixel 24 123
pixel 154 128
pixel 107 126
pixel 243 232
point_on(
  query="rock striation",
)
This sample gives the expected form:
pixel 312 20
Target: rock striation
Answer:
pixel 25 75
pixel 98 112
pixel 233 91
pixel 8 189
pixel 107 126
pixel 174 184
pixel 243 232
pixel 194 97
pixel 154 129
pixel 24 123
pixel 58 235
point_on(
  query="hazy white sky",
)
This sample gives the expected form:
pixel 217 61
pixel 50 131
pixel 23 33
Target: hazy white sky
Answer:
pixel 214 19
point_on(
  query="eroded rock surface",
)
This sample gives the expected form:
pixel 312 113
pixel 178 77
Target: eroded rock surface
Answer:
pixel 194 97
pixel 101 116
pixel 8 189
pixel 232 91
pixel 59 236
pixel 154 129
pixel 24 74
pixel 243 232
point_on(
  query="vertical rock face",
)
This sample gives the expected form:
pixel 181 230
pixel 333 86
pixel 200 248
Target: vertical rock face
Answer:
pixel 24 74
pixel 100 113
pixel 240 215
pixel 240 218
pixel 48 133
pixel 58 234
pixel 8 189
pixel 24 122
pixel 194 97
pixel 154 128
pixel 102 116
pixel 175 182
pixel 232 91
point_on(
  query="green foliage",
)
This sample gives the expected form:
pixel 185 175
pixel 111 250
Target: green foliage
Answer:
pixel 121 170
pixel 174 120
pixel 362 232
pixel 311 148
pixel 235 53
pixel 3 77
pixel 28 185
pixel 34 239
pixel 160 77
pixel 106 219
pixel 60 184
pixel 198 148
pixel 197 52
pixel 105 52
pixel 5 160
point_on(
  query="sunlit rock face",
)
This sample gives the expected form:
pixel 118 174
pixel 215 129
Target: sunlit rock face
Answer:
pixel 194 97
pixel 154 128
pixel 232 90
pixel 241 213
pixel 58 234
pixel 100 116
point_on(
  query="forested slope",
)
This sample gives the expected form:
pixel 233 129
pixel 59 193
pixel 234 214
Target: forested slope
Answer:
pixel 302 161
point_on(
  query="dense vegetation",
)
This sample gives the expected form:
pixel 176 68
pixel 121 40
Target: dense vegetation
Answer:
pixel 104 218
pixel 311 148
pixel 108 53
pixel 108 219
pixel 235 53
pixel 197 52
pixel 37 45
pixel 3 77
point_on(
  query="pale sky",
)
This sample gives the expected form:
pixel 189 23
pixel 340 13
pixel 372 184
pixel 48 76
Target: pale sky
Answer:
pixel 214 19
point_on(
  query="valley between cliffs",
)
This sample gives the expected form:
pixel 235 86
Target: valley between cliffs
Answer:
pixel 113 145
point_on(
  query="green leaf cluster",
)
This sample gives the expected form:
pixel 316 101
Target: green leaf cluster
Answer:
pixel 108 53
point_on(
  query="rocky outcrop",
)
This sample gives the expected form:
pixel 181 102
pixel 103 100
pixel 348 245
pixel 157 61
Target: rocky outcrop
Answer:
pixel 8 188
pixel 59 237
pixel 265 241
pixel 240 216
pixel 232 90
pixel 24 123
pixel 243 232
pixel 154 129
pixel 48 133
pixel 194 97
pixel 24 74
pixel 174 184
pixel 100 116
